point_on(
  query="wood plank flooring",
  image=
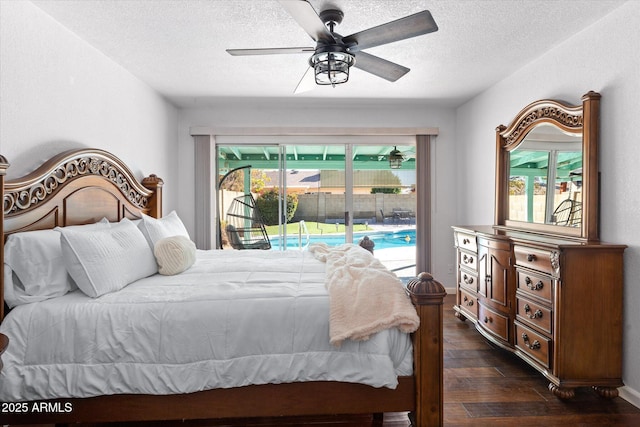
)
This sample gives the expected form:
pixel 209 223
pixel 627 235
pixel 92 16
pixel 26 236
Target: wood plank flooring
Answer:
pixel 486 386
pixel 483 386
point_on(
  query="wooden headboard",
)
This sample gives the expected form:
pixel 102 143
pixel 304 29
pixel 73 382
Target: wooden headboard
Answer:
pixel 72 188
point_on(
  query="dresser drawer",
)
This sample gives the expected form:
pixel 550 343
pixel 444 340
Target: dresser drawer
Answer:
pixel 466 241
pixel 469 304
pixel 532 313
pixel 537 285
pixel 469 260
pixel 533 344
pixel 537 259
pixel 495 323
pixel 468 280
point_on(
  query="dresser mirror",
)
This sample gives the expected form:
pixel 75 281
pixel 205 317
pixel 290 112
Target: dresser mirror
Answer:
pixel 547 169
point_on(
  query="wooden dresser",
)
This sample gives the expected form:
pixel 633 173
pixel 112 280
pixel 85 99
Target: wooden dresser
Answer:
pixel 554 302
pixel 539 282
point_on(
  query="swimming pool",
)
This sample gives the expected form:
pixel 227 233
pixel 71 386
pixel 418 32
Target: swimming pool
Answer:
pixel 381 239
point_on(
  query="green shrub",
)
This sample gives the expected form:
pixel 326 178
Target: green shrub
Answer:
pixel 267 204
pixel 386 190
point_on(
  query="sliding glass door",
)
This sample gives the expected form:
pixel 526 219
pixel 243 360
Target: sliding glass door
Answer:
pixel 292 194
pixel 286 182
pixel 315 196
pixel 384 204
pixel 247 206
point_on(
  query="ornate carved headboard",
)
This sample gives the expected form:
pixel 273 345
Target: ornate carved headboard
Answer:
pixel 75 187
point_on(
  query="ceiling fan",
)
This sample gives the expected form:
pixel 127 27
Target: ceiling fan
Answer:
pixel 334 54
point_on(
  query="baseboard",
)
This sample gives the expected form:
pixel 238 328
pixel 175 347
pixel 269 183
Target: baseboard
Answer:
pixel 450 291
pixel 630 395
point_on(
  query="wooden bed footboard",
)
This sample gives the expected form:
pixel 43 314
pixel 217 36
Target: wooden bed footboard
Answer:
pixel 56 194
pixel 428 297
pixel 420 394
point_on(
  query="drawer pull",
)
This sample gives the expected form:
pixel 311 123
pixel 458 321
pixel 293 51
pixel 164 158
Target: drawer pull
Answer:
pixel 530 285
pixel 488 319
pixel 466 241
pixel 467 259
pixel 468 280
pixel 533 346
pixel 469 302
pixel 531 257
pixel 536 315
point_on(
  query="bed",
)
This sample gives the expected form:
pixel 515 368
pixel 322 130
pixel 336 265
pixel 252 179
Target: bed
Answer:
pixel 91 186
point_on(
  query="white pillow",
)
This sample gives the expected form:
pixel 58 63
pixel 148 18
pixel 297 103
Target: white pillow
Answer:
pixel 155 229
pixel 34 268
pixel 107 260
pixel 174 254
pixel 15 294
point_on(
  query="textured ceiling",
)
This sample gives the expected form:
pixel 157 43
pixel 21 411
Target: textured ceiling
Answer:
pixel 178 47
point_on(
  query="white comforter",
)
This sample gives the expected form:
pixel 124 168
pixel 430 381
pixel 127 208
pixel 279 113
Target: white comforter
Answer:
pixel 235 318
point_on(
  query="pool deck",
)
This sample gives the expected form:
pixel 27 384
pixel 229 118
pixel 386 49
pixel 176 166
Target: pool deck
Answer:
pixel 401 261
pixel 396 258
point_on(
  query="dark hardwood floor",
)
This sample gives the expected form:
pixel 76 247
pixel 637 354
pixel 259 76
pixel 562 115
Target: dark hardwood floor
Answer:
pixel 487 386
pixel 483 386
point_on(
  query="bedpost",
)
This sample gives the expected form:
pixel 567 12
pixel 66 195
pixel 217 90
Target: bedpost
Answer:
pixel 154 183
pixel 428 297
pixel 3 171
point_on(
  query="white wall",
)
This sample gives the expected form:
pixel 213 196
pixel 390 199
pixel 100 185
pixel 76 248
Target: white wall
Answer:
pixel 603 58
pixel 336 113
pixel 58 92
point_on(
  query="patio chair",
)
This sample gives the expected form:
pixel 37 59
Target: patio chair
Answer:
pixel 239 240
pixel 402 215
pixel 386 217
pixel 568 213
pixel 245 226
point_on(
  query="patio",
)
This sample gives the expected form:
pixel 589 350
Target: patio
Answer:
pixel 400 260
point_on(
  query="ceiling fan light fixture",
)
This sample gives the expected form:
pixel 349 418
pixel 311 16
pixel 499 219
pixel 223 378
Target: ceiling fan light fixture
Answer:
pixel 331 65
pixel 334 54
pixel 395 158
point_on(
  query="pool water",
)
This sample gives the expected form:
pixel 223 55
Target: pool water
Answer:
pixel 381 239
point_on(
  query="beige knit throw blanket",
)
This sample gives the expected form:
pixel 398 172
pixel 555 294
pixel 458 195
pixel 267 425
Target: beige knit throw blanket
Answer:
pixel 364 296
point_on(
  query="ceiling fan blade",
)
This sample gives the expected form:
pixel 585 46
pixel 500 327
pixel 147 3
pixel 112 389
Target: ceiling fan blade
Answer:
pixel 307 82
pixel 270 51
pixel 308 19
pixel 380 67
pixel 403 28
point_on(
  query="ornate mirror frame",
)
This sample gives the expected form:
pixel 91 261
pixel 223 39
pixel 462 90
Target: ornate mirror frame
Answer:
pixel 575 120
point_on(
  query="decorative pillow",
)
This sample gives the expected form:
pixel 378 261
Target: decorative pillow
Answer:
pixel 155 229
pixel 174 254
pixel 34 268
pixel 107 260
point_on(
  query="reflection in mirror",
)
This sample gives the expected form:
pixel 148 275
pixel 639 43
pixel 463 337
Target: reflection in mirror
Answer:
pixel 547 169
pixel 545 178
